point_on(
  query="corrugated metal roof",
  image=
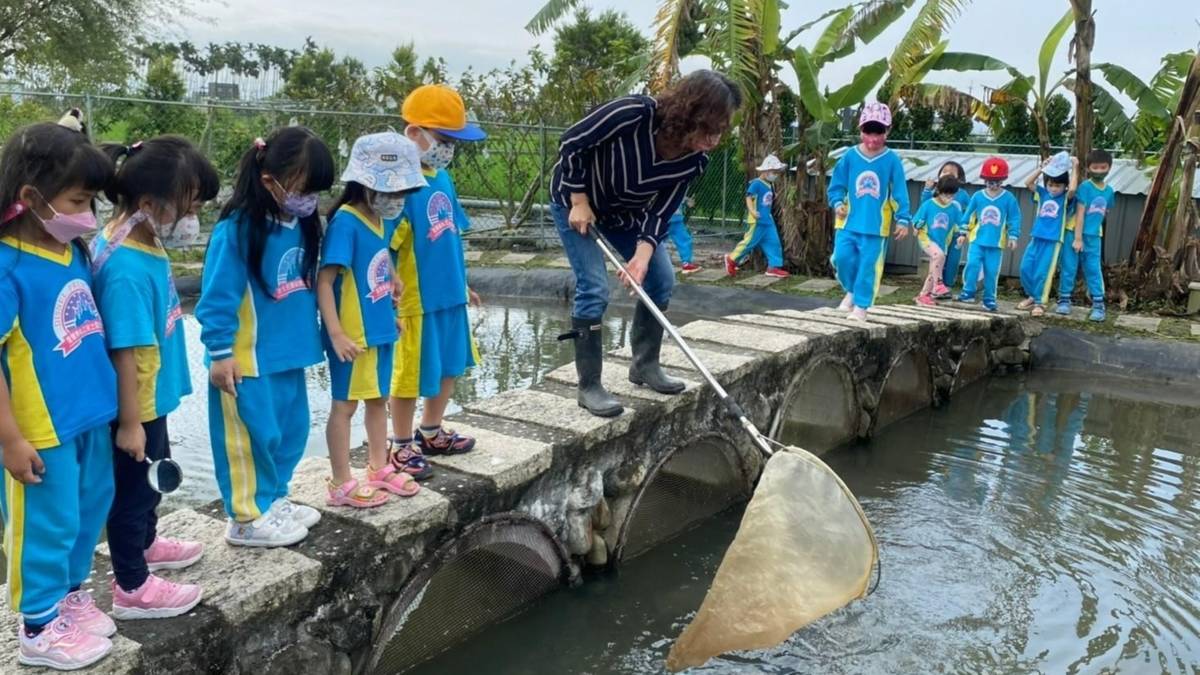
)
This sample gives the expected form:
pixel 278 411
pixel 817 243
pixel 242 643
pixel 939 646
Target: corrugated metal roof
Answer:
pixel 920 165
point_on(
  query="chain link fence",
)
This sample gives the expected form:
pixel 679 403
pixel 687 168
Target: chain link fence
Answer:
pixel 504 181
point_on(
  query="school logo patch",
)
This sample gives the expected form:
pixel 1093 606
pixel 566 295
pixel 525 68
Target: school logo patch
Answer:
pixel 174 310
pixel 941 222
pixel 379 276
pixel 440 213
pixel 990 215
pixel 768 199
pixel 867 184
pixel 75 316
pixel 288 278
pixel 1098 206
pixel 1050 209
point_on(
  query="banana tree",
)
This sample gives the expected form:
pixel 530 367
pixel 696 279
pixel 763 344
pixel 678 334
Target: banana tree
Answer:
pixel 1080 52
pixel 1155 100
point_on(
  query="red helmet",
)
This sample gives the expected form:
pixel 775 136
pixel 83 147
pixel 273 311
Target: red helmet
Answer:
pixel 994 168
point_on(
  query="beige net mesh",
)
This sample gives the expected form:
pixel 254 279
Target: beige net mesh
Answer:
pixel 804 549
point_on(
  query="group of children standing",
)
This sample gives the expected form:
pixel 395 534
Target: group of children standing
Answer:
pixel 868 193
pixel 380 292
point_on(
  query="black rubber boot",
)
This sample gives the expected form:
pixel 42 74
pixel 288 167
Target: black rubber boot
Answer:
pixel 645 337
pixel 589 363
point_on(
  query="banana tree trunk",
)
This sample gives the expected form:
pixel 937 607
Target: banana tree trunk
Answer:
pixel 1081 46
pixel 1043 131
pixel 1185 212
pixel 1154 212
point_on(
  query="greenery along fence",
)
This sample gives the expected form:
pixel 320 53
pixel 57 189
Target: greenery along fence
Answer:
pixel 507 176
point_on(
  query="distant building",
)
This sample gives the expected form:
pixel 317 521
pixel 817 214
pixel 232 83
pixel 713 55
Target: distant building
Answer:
pixel 224 91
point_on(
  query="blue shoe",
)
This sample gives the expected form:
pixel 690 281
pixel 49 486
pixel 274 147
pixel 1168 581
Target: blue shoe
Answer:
pixel 991 306
pixel 969 299
pixel 1064 308
pixel 1097 314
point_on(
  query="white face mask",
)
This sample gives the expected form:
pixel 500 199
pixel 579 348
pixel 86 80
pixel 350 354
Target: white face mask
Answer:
pixel 388 206
pixel 439 154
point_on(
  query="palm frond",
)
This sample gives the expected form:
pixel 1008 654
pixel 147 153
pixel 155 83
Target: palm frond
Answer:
pixel 866 79
pixel 871 20
pixel 1112 114
pixel 1050 47
pixel 945 97
pixel 734 33
pixel 663 63
pixel 1167 83
pixel 552 11
pixel 803 27
pixel 1132 86
pixel 931 22
pixel 814 102
pixel 832 35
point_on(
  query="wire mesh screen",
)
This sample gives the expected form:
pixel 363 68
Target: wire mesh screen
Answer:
pixel 490 573
pixel 908 389
pixel 821 411
pixel 973 365
pixel 695 483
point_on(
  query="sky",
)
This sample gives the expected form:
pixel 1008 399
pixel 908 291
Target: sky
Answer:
pixel 486 34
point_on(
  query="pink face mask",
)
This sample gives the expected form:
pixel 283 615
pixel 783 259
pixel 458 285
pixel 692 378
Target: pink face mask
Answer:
pixel 873 142
pixel 67 228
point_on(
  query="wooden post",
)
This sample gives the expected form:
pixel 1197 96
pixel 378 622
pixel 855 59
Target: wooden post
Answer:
pixel 1164 178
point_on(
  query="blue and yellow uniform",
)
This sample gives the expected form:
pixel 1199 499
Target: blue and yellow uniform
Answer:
pixel 63 394
pixel 937 224
pixel 1045 244
pixel 680 235
pixel 259 436
pixel 435 333
pixel 141 312
pixel 1096 201
pixel 875 192
pixel 761 231
pixel 991 222
pixel 363 292
pixel 954 253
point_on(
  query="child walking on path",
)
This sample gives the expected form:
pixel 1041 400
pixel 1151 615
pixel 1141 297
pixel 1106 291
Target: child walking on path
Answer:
pixel 681 236
pixel 436 346
pixel 1055 204
pixel 761 231
pixel 57 396
pixel 1095 199
pixel 160 183
pixel 869 193
pixel 258 322
pixel 954 252
pixel 355 293
pixel 937 223
pixel 993 222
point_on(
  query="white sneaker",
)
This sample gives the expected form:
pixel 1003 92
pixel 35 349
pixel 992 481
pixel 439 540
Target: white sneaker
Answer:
pixel 304 515
pixel 270 531
pixel 847 303
pixel 62 645
pixel 858 314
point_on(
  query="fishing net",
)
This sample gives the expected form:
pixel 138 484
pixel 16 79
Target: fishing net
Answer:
pixel 804 549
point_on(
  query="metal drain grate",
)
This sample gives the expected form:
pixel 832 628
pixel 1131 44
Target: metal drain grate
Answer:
pixel 489 573
pixel 697 482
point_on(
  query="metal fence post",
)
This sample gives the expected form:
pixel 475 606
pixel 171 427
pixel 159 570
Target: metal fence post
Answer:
pixel 724 185
pixel 87 114
pixel 542 179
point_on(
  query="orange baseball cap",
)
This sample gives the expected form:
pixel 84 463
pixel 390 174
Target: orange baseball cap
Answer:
pixel 440 108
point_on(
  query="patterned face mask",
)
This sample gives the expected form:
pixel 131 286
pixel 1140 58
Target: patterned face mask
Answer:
pixel 387 205
pixel 439 154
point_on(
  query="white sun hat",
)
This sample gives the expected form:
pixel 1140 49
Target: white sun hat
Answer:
pixel 385 162
pixel 771 163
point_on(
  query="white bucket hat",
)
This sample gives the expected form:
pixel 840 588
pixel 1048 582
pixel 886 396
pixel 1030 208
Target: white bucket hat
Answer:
pixel 385 162
pixel 771 163
pixel 1059 165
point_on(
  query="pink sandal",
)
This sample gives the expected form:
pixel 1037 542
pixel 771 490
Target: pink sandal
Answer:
pixel 350 494
pixel 396 482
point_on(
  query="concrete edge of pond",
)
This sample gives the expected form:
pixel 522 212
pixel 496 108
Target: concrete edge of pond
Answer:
pixel 1073 350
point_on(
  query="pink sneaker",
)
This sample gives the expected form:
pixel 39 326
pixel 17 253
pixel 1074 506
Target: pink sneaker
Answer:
pixel 83 612
pixel 156 599
pixel 62 645
pixel 173 554
pixel 941 291
pixel 858 314
pixel 847 303
pixel 926 301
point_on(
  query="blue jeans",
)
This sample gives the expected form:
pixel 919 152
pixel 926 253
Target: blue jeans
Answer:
pixel 590 267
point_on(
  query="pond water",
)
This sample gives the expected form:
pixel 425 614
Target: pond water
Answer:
pixel 1036 524
pixel 517 342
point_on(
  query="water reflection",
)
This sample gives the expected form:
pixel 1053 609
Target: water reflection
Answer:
pixel 1033 525
pixel 517 343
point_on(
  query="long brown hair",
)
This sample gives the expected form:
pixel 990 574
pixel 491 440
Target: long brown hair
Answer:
pixel 700 103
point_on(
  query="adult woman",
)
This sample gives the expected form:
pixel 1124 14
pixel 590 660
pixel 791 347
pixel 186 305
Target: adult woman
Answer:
pixel 625 168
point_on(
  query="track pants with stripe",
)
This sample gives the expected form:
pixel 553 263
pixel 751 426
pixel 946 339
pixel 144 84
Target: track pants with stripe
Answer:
pixel 51 528
pixel 858 260
pixel 988 259
pixel 953 258
pixel 1089 258
pixel 1038 267
pixel 764 235
pixel 258 438
pixel 681 237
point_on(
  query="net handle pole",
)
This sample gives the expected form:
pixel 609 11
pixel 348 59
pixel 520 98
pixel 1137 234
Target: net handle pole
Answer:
pixel 731 405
